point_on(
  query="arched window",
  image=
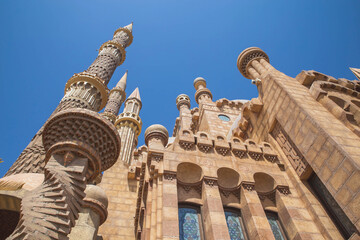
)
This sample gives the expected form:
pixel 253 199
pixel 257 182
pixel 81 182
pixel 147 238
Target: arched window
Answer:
pixel 129 106
pixel 190 223
pixel 235 224
pixel 135 108
pixel 275 225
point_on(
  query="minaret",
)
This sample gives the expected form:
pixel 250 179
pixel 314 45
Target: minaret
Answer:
pixel 87 90
pixel 129 125
pixel 116 98
pixel 202 94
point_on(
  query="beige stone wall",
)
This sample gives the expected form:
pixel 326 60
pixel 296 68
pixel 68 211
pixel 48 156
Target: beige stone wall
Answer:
pixel 122 194
pixel 328 146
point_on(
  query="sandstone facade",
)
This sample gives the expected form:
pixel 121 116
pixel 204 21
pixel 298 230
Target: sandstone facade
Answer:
pixel 284 165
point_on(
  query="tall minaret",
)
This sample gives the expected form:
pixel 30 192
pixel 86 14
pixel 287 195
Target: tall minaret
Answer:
pixel 129 125
pixel 87 89
pixel 116 98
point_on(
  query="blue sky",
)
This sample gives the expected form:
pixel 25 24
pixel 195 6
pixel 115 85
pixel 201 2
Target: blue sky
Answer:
pixel 44 43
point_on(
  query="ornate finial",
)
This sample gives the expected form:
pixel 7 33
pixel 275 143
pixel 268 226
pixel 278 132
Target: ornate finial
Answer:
pixel 122 83
pixel 128 30
pixel 356 72
pixel 129 27
pixel 182 99
pixel 135 94
pixel 199 81
pixel 156 131
pixel 247 56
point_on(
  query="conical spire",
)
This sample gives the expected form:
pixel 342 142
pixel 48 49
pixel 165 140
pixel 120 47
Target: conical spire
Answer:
pixel 356 72
pixel 129 27
pixel 135 94
pixel 122 83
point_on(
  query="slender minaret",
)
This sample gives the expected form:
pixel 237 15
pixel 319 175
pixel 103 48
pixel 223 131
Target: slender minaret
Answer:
pixel 129 125
pixel 87 90
pixel 116 98
pixel 202 94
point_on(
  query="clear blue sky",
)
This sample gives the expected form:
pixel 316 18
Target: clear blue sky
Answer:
pixel 44 43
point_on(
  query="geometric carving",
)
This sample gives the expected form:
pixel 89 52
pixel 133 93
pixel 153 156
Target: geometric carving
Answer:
pixel 249 186
pixel 79 144
pixel 30 159
pixel 294 156
pixel 85 132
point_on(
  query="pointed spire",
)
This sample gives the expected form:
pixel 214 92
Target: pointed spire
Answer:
pixel 129 27
pixel 122 83
pixel 135 94
pixel 356 72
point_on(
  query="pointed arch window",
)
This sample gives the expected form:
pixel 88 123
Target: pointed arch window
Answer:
pixel 275 225
pixel 235 224
pixel 190 223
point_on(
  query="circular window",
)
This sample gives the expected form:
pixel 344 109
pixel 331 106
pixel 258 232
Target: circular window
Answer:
pixel 224 117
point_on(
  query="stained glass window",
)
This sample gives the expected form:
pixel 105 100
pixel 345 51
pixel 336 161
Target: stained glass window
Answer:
pixel 338 216
pixel 189 223
pixel 224 117
pixel 275 226
pixel 235 226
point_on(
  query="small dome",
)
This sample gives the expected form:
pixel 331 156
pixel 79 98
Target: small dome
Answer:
pixel 97 193
pixel 199 81
pixel 156 130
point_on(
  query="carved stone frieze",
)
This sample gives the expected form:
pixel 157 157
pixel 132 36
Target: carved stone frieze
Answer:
pixel 249 186
pixel 188 186
pixel 204 147
pixel 210 181
pixel 296 159
pixel 169 176
pixel 226 192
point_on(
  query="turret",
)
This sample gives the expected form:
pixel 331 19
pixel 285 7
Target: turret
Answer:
pixel 183 105
pixel 252 62
pixel 116 98
pixel 202 94
pixel 129 125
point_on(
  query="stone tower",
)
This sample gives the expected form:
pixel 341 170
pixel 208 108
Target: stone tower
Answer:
pixel 129 125
pixel 87 90
pixel 116 98
pixel 50 185
pixel 283 165
pixel 119 182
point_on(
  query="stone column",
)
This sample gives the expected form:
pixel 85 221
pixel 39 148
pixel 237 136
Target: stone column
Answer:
pixel 92 215
pixel 215 226
pixel 159 207
pixel 86 90
pixel 253 213
pixel 295 217
pixel 170 218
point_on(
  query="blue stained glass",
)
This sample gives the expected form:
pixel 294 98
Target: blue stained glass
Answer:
pixel 272 218
pixel 189 224
pixel 234 226
pixel 224 117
